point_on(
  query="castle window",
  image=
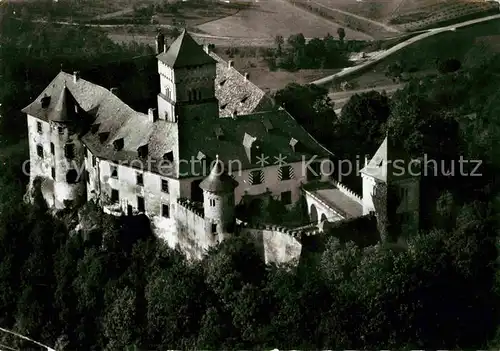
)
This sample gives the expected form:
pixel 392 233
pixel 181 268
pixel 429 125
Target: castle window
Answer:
pixel 222 107
pixel 118 144
pixel 115 195
pixel 256 177
pixel 286 197
pixel 222 82
pixel 244 99
pixel 164 185
pixel 45 101
pixel 212 202
pixel 165 211
pixel 284 173
pixel 69 151
pixel 52 149
pixel 139 178
pixel 168 93
pixel 114 171
pixel 39 150
pixel 214 228
pixel 60 130
pixel 169 156
pixel 93 161
pixel 53 173
pixel 39 127
pixel 87 176
pixel 140 204
pixel 143 151
pixel 72 176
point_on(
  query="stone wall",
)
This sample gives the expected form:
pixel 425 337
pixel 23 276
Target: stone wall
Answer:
pixel 278 244
pixel 192 238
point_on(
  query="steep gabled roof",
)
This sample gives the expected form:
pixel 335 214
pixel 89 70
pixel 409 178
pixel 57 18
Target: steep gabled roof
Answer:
pixel 185 52
pixel 65 108
pixel 390 162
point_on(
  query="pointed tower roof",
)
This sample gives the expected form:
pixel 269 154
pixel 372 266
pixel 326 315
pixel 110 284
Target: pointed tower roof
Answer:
pixel 64 110
pixel 390 162
pixel 218 181
pixel 185 52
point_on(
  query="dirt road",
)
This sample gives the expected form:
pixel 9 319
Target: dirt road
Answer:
pixel 384 54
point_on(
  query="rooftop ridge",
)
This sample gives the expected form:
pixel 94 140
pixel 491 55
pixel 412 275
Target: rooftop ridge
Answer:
pixel 70 76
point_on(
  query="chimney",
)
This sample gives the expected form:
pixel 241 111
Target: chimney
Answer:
pixel 160 43
pixel 114 91
pixel 153 115
pixel 230 63
pixel 247 76
pixel 76 76
pixel 206 47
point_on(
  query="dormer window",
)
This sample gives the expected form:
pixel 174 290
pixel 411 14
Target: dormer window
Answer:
pixel 118 144
pixel 200 156
pixel 45 101
pixel 169 156
pixel 143 151
pixel 218 132
pixel 94 128
pixel 267 123
pixel 251 147
pixel 103 136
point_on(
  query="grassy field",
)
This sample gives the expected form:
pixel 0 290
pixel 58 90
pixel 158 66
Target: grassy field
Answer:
pixel 269 18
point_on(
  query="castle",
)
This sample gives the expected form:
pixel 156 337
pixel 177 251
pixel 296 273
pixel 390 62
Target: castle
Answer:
pixel 213 140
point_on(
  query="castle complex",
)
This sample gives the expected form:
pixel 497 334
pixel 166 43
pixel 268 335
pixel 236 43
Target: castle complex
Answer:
pixel 213 140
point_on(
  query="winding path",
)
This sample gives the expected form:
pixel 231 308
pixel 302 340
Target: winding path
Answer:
pixel 26 338
pixel 382 55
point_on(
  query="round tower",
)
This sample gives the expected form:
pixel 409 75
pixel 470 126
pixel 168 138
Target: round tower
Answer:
pixel 218 201
pixel 67 151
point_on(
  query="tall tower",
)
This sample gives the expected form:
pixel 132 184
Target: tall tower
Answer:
pixel 187 81
pixel 56 152
pixel 218 201
pixel 395 169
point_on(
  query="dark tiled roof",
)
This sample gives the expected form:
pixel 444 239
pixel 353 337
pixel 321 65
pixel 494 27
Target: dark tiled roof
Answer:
pixel 113 120
pixel 218 181
pixel 185 52
pixel 237 94
pixel 61 106
pixel 202 136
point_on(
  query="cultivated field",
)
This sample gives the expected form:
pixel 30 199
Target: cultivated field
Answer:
pixel 268 18
pixel 409 14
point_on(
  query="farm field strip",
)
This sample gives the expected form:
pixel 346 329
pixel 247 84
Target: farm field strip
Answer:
pixel 275 17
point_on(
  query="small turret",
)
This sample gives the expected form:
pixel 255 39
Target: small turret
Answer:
pixel 218 201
